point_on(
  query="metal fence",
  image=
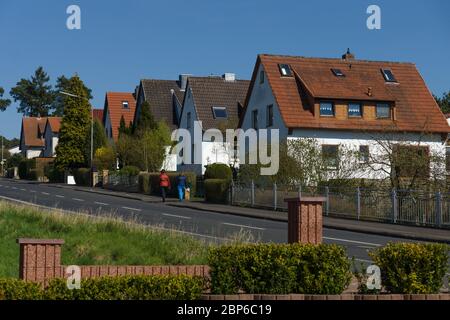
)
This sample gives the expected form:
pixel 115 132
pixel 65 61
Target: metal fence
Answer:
pixel 121 182
pixel 414 207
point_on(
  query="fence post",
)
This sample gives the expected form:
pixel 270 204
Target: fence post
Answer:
pixel 394 205
pixel 327 199
pixel 438 221
pixel 358 202
pixel 274 196
pixel 253 194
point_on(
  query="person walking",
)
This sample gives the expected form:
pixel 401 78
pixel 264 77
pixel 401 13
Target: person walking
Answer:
pixel 164 183
pixel 181 183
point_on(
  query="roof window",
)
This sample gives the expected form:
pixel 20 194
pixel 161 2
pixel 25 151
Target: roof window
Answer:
pixel 388 75
pixel 220 112
pixel 338 72
pixel 285 70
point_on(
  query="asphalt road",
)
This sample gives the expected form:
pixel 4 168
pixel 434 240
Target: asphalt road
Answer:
pixel 210 226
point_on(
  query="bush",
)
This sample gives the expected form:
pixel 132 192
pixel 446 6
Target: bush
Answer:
pixel 33 175
pixel 16 289
pixel 412 267
pixel 144 183
pixel 216 190
pixel 129 171
pixel 279 269
pixel 218 171
pixel 25 166
pixel 82 176
pixel 136 287
pixel 54 174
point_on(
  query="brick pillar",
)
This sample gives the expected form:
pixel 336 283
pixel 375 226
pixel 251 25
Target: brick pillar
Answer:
pixel 40 259
pixel 305 219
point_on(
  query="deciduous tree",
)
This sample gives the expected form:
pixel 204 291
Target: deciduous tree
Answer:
pixel 4 103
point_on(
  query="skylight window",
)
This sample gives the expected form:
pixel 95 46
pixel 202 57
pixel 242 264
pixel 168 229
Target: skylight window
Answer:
pixel 338 72
pixel 220 112
pixel 388 75
pixel 285 70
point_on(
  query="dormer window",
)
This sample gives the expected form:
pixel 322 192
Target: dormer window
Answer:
pixel 125 105
pixel 220 112
pixel 388 75
pixel 285 70
pixel 338 72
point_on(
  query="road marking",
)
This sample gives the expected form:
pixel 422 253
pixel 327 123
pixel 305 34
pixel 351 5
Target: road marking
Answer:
pixel 6 187
pixel 33 191
pixel 364 260
pixel 59 196
pixel 14 188
pixel 175 216
pixel 76 199
pixel 242 226
pixel 23 189
pixel 101 203
pixel 354 241
pixel 133 209
pixel 45 193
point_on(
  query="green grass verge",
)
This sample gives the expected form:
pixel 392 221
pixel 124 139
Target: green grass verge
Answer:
pixel 93 239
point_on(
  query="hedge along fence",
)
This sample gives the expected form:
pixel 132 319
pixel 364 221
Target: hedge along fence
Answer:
pixel 34 169
pixel 161 287
pixel 82 176
pixel 149 183
pixel 412 267
pixel 279 269
pixel 218 177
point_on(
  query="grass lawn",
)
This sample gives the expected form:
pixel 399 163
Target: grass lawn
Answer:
pixel 93 240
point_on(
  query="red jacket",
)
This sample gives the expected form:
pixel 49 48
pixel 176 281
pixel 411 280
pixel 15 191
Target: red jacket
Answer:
pixel 164 180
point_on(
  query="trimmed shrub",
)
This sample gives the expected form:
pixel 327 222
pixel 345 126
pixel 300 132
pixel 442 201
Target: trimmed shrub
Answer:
pixel 82 176
pixel 412 267
pixel 216 190
pixel 129 171
pixel 279 269
pixel 25 166
pixel 218 171
pixel 16 289
pixel 136 287
pixel 54 174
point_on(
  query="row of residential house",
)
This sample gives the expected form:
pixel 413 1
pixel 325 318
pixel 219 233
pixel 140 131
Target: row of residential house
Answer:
pixel 336 101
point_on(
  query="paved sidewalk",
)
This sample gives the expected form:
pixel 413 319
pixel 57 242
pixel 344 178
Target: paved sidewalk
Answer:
pixel 391 230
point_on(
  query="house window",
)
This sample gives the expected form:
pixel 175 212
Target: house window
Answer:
pixel 125 105
pixel 219 112
pixel 388 75
pixel 285 70
pixel 330 155
pixel 261 77
pixel 383 111
pixel 255 119
pixel 327 109
pixel 354 110
pixel 188 120
pixel 364 154
pixel 269 121
pixel 338 72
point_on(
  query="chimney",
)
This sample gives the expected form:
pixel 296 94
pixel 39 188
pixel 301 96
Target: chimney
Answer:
pixel 183 80
pixel 229 76
pixel 348 55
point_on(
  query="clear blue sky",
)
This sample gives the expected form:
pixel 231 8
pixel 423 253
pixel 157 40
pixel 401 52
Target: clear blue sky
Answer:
pixel 123 41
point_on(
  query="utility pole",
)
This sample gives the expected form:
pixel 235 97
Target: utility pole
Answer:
pixel 2 158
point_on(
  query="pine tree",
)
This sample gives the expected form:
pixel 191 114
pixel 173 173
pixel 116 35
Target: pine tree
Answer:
pixel 62 85
pixel 146 121
pixel 123 129
pixel 75 125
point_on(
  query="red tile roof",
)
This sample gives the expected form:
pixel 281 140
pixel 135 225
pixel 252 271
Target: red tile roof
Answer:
pixel 113 107
pixel 416 109
pixel 55 123
pixel 32 131
pixel 98 114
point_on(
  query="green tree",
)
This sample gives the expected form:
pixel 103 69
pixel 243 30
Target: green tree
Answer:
pixel 444 102
pixel 35 95
pixel 152 147
pixel 70 152
pixel 146 120
pixel 127 150
pixel 62 84
pixel 123 129
pixel 99 138
pixel 4 103
pixel 105 158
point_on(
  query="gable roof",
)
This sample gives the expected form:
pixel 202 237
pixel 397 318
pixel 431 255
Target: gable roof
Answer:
pixel 216 91
pixel 98 114
pixel 113 108
pixel 415 106
pixel 54 124
pixel 158 93
pixel 32 131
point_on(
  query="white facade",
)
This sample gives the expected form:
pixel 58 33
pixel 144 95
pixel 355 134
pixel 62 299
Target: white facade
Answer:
pixel 209 152
pixel 14 150
pixel 262 96
pixel 51 141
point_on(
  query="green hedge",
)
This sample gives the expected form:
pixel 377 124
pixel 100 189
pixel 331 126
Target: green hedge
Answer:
pixel 130 171
pixel 218 171
pixel 25 166
pixel 412 267
pixel 279 269
pixel 216 190
pixel 160 287
pixel 82 176
pixel 54 174
pixel 149 183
